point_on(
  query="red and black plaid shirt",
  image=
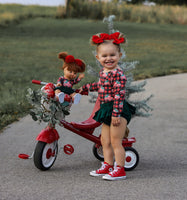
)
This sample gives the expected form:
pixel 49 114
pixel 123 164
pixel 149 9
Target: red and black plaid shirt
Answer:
pixel 110 87
pixel 68 83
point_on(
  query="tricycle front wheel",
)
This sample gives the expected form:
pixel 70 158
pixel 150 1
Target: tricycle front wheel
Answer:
pixel 45 155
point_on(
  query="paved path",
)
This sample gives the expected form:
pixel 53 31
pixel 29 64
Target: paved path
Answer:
pixel 161 143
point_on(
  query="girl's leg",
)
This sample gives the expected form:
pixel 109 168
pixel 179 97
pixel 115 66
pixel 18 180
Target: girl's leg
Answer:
pixel 57 92
pixel 59 95
pixel 107 166
pixel 117 135
pixel 106 144
pixel 76 97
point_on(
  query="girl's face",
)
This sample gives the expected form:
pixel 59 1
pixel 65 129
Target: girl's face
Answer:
pixel 70 75
pixel 108 55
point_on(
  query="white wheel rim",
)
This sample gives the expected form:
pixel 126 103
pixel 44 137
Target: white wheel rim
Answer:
pixel 100 151
pixel 47 161
pixel 133 158
pixel 129 154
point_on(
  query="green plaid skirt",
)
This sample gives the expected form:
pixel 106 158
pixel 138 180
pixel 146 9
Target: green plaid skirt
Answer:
pixel 66 90
pixel 104 114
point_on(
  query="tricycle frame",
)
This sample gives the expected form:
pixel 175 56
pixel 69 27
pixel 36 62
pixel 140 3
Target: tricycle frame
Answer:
pixel 46 149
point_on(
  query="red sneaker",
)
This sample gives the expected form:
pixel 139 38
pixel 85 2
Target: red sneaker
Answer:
pixel 117 174
pixel 105 169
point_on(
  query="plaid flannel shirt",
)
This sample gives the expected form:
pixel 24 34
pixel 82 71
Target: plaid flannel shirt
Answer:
pixel 110 87
pixel 68 83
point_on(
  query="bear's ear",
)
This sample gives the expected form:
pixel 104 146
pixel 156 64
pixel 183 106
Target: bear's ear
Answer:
pixel 62 55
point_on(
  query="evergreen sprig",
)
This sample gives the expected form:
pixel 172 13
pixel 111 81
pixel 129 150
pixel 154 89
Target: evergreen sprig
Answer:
pixel 45 109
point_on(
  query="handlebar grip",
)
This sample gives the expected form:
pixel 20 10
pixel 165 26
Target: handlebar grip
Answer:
pixel 36 82
pixel 39 82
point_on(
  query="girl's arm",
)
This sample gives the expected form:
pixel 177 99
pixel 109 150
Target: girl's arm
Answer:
pixel 76 80
pixel 91 86
pixel 60 81
pixel 119 94
pixel 81 76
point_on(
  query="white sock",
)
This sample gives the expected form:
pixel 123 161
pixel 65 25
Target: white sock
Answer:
pixel 61 97
pixel 77 98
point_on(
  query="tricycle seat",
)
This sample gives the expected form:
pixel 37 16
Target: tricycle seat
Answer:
pixel 90 123
pixel 129 141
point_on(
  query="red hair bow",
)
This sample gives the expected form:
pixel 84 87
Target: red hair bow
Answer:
pixel 71 59
pixel 104 36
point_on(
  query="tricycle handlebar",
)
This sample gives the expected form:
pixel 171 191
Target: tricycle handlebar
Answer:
pixel 38 82
pixel 44 83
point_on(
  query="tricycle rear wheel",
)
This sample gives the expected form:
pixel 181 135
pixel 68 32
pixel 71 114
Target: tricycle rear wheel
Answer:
pixel 98 152
pixel 132 156
pixel 45 155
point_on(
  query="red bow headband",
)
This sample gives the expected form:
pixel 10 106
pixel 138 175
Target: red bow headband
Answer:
pixel 104 36
pixel 71 59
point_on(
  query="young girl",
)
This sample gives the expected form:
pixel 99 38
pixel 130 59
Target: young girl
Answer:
pixel 114 111
pixel 65 83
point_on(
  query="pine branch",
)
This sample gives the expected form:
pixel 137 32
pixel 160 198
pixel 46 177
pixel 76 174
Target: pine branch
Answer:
pixel 128 66
pixel 142 108
pixel 93 98
pixel 109 21
pixel 91 71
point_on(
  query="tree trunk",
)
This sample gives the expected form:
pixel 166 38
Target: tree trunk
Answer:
pixel 67 7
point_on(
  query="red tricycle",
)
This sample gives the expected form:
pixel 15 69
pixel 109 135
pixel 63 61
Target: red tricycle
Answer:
pixel 46 149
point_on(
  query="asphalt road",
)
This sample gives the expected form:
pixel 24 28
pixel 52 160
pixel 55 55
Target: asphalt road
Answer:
pixel 161 144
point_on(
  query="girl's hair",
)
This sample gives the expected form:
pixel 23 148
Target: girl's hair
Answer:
pixel 109 42
pixel 100 39
pixel 71 63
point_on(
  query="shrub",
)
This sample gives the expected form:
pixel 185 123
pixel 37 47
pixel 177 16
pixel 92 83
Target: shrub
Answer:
pixel 97 11
pixel 135 13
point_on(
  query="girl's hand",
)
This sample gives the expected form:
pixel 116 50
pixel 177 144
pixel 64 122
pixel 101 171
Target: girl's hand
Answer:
pixel 116 121
pixel 80 89
pixel 81 76
pixel 58 84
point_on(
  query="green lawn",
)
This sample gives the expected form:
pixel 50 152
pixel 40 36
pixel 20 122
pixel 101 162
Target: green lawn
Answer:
pixel 29 51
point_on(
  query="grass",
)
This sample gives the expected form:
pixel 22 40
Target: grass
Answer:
pixel 29 51
pixel 15 13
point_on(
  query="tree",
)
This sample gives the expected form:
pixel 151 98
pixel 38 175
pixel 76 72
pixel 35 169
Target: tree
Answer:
pixel 67 7
pixel 142 107
pixel 170 2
